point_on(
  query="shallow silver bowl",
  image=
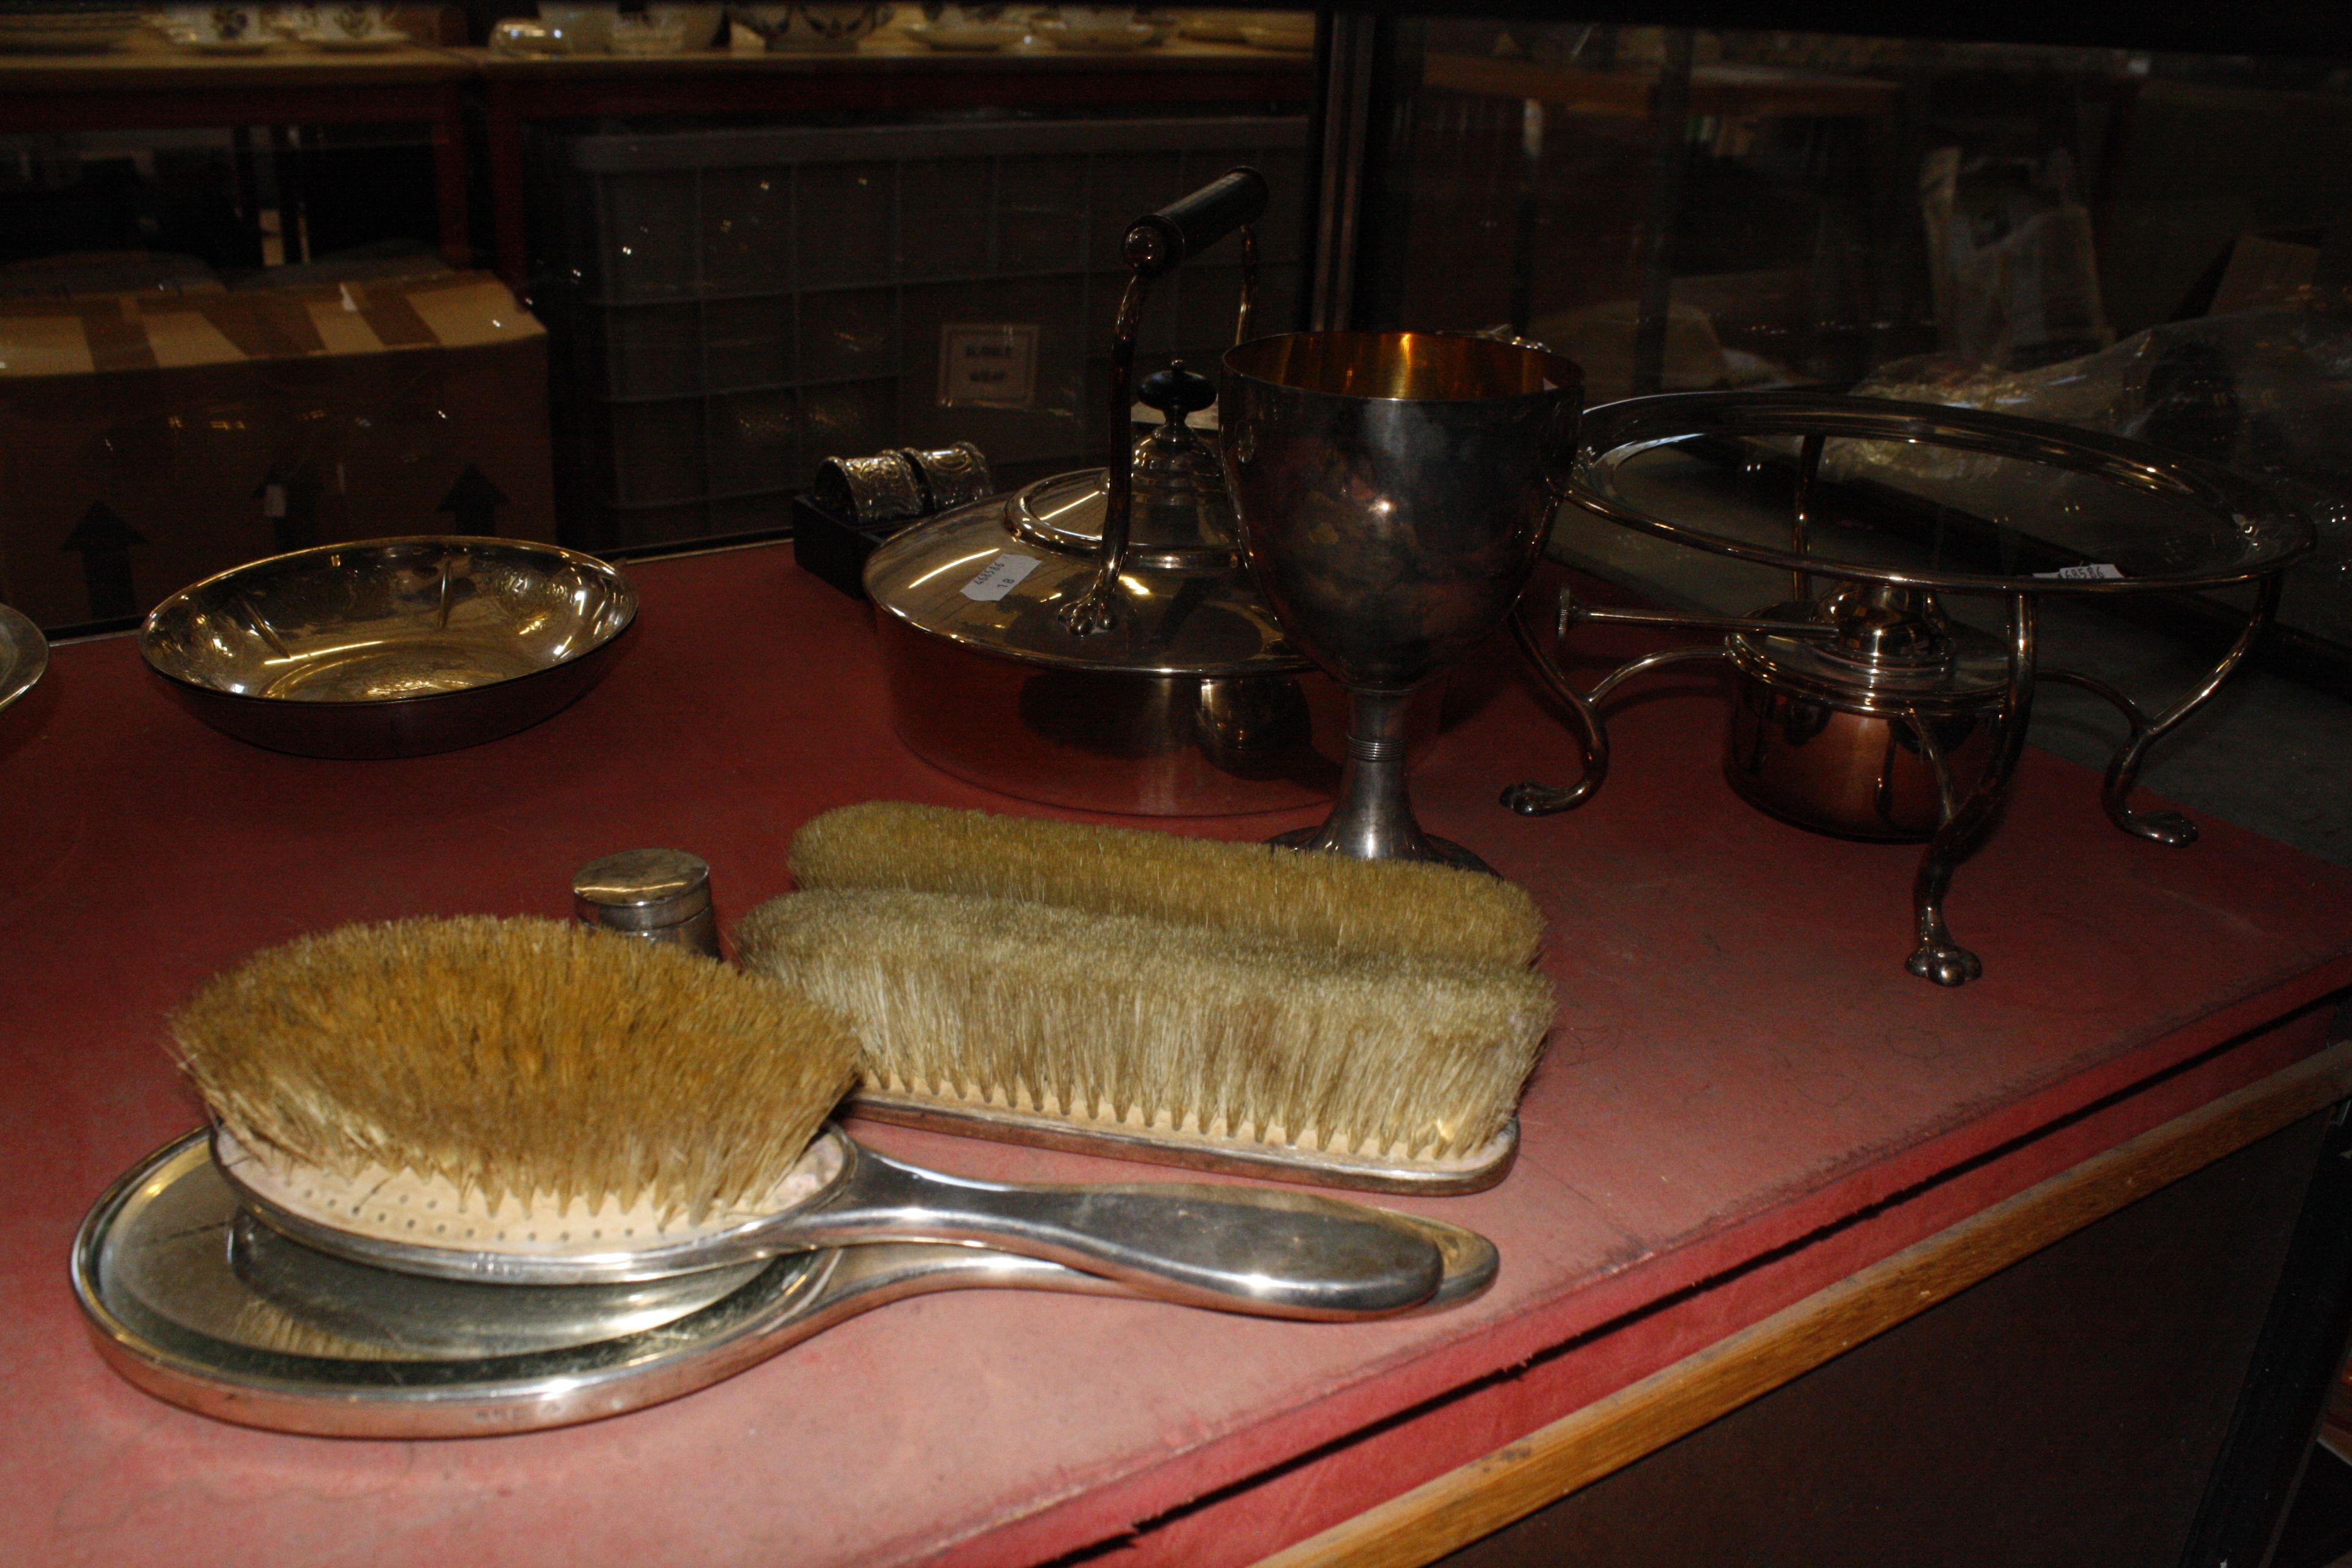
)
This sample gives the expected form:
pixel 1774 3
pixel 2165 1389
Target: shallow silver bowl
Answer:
pixel 23 655
pixel 390 647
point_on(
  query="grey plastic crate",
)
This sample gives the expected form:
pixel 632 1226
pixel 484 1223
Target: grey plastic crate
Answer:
pixel 742 304
pixel 599 526
pixel 754 441
pixel 637 351
pixel 772 210
pixel 746 224
pixel 850 333
pixel 759 427
pixel 749 343
pixel 657 451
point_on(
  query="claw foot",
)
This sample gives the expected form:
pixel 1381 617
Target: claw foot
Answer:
pixel 1092 611
pixel 2160 828
pixel 1944 963
pixel 1537 800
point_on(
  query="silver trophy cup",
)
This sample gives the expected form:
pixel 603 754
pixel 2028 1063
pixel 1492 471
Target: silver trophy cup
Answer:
pixel 1393 491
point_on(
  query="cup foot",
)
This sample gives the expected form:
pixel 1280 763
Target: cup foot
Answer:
pixel 1442 851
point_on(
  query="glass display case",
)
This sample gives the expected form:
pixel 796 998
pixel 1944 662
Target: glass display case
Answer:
pixel 2132 226
pixel 757 249
pixel 1911 408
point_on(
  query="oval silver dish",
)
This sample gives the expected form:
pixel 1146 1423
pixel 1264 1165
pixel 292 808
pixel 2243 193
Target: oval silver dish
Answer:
pixel 23 655
pixel 390 647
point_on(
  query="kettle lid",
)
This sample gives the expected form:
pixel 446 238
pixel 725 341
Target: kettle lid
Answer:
pixel 996 576
pixel 1182 518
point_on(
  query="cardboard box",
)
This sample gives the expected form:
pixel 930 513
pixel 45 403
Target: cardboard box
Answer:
pixel 150 439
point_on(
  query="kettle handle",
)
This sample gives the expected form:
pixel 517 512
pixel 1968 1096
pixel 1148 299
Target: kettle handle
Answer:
pixel 1156 245
pixel 1158 242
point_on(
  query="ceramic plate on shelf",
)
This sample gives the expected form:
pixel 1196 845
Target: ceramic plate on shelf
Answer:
pixel 1212 27
pixel 62 35
pixel 1297 39
pixel 372 43
pixel 1062 36
pixel 975 40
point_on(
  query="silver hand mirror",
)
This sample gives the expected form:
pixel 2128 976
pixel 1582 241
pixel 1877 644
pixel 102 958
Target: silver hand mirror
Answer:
pixel 192 1298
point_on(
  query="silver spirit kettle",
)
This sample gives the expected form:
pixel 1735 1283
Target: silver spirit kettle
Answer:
pixel 1094 640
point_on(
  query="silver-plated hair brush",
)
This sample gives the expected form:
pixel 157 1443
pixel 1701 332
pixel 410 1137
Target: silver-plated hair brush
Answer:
pixel 530 1102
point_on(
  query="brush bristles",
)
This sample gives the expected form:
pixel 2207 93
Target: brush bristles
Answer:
pixel 1327 902
pixel 264 1325
pixel 1112 1018
pixel 525 1057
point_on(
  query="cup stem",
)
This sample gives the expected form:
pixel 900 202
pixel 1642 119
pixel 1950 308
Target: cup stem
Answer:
pixel 1372 819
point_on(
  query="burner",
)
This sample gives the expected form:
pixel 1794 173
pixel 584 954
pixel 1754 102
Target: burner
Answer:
pixel 1862 707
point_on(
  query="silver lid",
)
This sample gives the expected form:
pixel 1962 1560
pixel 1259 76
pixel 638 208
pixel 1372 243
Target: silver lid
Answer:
pixel 995 578
pixel 641 890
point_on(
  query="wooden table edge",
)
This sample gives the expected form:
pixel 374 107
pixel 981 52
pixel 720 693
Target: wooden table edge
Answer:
pixel 1477 1498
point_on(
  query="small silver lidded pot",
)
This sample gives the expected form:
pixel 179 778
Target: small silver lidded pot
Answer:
pixel 660 895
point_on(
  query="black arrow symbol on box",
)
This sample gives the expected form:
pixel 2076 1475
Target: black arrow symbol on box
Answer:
pixel 104 541
pixel 289 502
pixel 471 502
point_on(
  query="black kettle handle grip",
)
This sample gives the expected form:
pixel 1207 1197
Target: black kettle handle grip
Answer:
pixel 1188 226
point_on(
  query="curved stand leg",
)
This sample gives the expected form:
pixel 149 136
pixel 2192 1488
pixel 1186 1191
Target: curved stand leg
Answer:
pixel 1543 800
pixel 1937 957
pixel 1933 754
pixel 1097 609
pixel 2122 769
pixel 1800 515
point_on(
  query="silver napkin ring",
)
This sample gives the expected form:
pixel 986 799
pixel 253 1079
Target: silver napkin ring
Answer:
pixel 903 483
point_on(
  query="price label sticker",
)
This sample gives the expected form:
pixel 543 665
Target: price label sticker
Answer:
pixel 2088 572
pixel 999 577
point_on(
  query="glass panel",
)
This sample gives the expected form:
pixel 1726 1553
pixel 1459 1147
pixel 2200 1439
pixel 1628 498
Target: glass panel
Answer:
pixel 2151 245
pixel 747 229
pixel 746 250
pixel 1905 506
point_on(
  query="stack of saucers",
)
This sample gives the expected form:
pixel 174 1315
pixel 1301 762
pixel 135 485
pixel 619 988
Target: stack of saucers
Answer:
pixel 64 32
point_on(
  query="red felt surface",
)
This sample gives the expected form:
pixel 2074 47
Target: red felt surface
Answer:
pixel 1741 1065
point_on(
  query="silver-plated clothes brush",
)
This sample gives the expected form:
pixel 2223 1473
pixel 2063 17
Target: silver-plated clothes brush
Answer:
pixel 1327 902
pixel 1233 1006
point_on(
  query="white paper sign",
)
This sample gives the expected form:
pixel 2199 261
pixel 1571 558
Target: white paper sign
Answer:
pixel 988 364
pixel 1000 577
